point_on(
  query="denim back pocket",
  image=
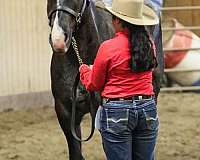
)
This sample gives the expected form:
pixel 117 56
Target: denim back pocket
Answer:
pixel 117 120
pixel 151 118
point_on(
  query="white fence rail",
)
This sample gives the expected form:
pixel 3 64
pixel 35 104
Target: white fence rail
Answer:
pixel 188 88
pixel 181 28
pixel 181 8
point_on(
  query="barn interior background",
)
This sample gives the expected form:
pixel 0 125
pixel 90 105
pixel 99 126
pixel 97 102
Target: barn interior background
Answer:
pixel 187 17
pixel 26 54
pixel 181 42
pixel 34 134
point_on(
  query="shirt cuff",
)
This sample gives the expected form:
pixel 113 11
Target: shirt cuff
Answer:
pixel 83 68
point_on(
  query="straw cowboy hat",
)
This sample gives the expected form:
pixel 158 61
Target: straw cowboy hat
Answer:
pixel 134 12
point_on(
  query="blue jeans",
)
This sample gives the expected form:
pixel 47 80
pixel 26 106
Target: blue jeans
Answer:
pixel 129 129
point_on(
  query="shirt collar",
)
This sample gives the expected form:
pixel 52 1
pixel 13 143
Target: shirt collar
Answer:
pixel 124 32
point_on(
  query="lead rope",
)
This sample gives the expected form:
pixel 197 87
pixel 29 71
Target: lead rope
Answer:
pixel 75 47
pixel 91 94
pixel 92 111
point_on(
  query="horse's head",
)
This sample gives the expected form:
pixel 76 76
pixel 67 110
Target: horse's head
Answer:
pixel 64 16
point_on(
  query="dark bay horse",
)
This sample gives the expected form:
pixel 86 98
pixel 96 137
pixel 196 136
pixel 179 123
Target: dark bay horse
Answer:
pixel 90 26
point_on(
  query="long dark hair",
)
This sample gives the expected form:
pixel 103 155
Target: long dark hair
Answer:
pixel 141 47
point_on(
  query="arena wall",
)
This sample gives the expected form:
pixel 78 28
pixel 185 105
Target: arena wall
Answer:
pixel 25 51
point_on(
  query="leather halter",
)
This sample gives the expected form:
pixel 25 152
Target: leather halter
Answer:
pixel 65 9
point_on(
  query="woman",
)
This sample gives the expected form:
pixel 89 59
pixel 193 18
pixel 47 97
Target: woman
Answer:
pixel 156 32
pixel 122 72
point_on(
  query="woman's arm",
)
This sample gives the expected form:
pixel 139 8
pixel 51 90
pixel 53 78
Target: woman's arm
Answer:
pixel 93 78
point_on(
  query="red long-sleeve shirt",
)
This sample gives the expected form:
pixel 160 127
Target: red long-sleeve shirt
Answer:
pixel 111 73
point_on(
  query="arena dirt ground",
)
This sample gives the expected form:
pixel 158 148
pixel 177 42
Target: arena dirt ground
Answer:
pixel 34 134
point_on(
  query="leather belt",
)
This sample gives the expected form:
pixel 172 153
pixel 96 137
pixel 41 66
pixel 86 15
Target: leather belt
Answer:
pixel 133 98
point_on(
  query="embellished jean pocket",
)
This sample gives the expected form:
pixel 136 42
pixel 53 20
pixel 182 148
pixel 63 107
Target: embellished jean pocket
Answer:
pixel 116 120
pixel 151 119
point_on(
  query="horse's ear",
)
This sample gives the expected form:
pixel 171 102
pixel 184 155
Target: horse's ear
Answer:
pixel 49 4
pixel 88 2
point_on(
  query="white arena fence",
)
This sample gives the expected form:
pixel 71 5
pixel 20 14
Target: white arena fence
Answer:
pixel 181 72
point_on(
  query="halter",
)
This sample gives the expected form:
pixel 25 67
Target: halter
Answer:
pixel 65 9
pixel 77 16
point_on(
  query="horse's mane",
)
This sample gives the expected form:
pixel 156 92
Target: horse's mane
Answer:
pixel 102 19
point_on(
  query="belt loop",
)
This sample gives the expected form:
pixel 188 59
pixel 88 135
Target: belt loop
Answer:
pixel 104 100
pixel 140 97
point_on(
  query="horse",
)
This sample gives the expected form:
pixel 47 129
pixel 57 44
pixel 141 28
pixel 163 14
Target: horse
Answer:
pixel 89 25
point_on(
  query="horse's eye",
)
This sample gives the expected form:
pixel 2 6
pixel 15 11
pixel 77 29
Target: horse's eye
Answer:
pixel 66 37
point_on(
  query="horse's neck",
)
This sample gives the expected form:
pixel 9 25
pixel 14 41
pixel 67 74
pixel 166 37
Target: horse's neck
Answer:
pixel 93 30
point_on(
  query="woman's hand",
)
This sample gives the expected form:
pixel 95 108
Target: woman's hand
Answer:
pixel 91 66
pixel 83 66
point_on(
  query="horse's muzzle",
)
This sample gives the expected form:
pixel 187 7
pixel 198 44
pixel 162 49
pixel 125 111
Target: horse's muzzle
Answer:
pixel 59 46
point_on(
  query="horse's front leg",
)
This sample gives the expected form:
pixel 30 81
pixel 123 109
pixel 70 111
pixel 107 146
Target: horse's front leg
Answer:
pixel 64 118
